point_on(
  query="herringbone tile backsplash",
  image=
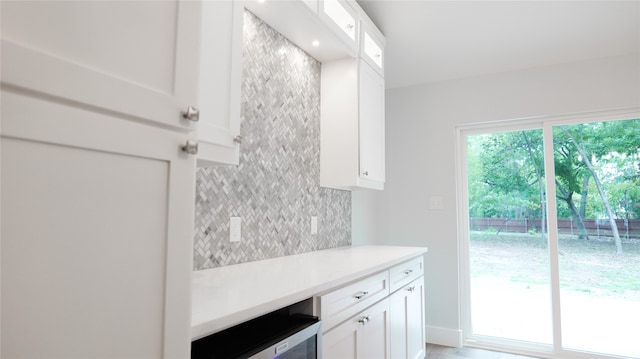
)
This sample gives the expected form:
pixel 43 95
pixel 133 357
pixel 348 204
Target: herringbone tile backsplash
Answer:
pixel 275 189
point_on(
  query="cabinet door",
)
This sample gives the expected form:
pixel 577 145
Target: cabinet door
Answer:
pixel 134 58
pixel 365 336
pixel 220 82
pixel 407 321
pixel 341 341
pixel 97 216
pixel 372 44
pixel 372 141
pixel 340 17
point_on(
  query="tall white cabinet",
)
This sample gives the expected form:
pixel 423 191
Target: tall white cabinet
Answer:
pixel 97 186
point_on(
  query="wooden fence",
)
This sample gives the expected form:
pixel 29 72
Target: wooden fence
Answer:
pixel 595 227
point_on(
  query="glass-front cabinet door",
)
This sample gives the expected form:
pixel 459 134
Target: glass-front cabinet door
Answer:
pixel 341 17
pixel 372 45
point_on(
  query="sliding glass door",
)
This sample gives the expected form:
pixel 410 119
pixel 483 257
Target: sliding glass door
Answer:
pixel 550 221
pixel 508 256
pixel 598 231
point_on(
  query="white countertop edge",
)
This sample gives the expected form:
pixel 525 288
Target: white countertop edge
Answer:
pixel 205 323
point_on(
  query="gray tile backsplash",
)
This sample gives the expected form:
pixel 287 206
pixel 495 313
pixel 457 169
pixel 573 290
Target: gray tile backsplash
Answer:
pixel 275 188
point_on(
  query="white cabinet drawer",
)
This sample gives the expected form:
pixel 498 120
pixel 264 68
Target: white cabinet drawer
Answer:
pixel 343 303
pixel 404 273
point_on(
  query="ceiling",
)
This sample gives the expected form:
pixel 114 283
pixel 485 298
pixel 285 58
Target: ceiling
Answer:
pixel 430 41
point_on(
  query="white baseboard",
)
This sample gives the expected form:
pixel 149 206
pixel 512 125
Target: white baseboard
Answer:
pixel 444 336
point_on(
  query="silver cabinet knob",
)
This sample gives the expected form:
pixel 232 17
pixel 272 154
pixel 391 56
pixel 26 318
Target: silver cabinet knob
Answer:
pixel 364 320
pixel 192 114
pixel 191 147
pixel 237 139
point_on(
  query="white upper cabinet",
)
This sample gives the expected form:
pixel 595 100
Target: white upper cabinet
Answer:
pixel 312 4
pixel 341 17
pixel 220 83
pixel 134 58
pixel 306 24
pixel 371 129
pixel 352 140
pixel 351 49
pixel 371 44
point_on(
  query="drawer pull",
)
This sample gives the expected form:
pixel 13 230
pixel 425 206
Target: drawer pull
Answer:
pixel 364 320
pixel 408 271
pixel 360 296
pixel 411 289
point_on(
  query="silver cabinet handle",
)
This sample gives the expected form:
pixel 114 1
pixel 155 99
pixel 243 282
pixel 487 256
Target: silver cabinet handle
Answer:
pixel 364 320
pixel 191 114
pixel 350 27
pixel 366 173
pixel 360 296
pixel 237 139
pixel 411 289
pixel 191 147
pixel 408 271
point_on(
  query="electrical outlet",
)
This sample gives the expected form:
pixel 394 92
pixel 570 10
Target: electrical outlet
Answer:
pixel 314 225
pixel 235 226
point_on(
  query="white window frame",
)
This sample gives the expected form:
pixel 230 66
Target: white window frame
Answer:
pixel 546 123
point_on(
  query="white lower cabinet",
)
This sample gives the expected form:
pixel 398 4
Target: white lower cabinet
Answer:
pixel 378 316
pixel 406 308
pixel 363 336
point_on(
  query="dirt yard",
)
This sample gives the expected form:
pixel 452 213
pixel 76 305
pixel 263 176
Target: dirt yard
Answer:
pixel 587 266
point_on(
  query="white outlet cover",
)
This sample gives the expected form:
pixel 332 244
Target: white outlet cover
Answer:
pixel 235 229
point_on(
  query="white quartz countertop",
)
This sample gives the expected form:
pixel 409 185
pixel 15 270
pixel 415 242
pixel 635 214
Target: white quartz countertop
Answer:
pixel 226 296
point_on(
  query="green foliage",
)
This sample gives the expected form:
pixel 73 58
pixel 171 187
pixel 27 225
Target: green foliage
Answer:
pixel 502 174
pixel 505 170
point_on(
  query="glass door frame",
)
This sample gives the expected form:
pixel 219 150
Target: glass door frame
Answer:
pixel 545 123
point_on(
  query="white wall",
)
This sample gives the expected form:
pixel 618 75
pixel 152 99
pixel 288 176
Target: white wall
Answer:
pixel 420 158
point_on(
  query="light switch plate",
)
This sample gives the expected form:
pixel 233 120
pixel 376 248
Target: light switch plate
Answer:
pixel 314 225
pixel 235 225
pixel 436 203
